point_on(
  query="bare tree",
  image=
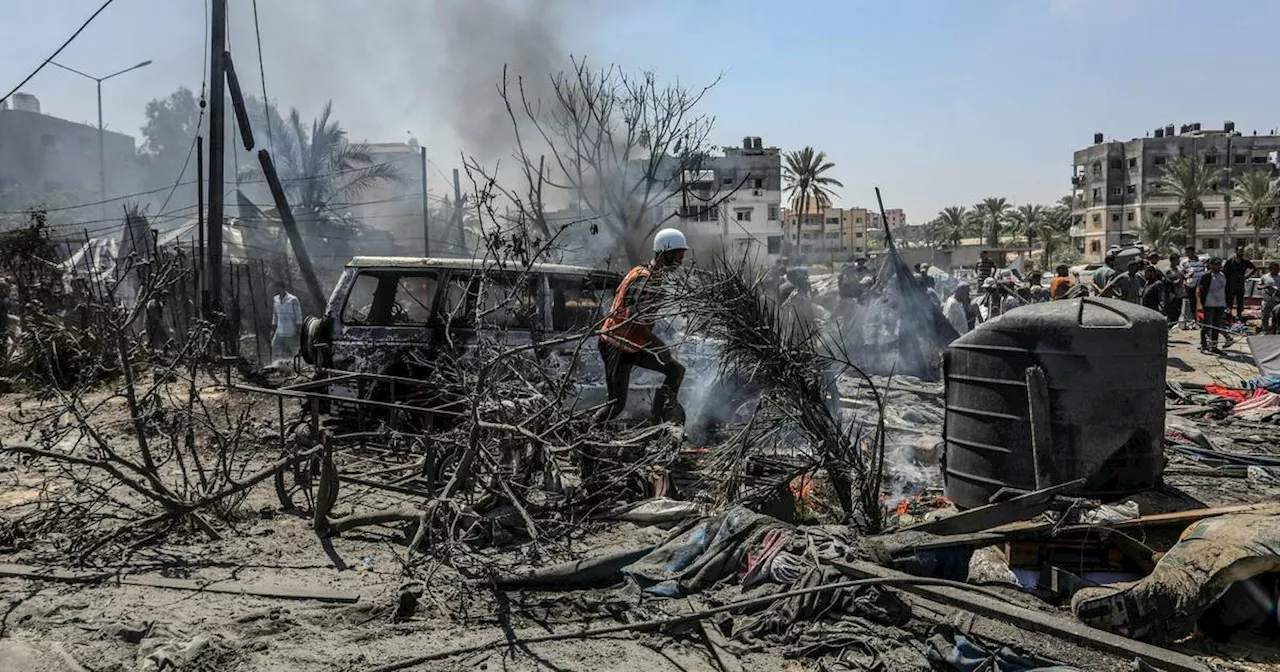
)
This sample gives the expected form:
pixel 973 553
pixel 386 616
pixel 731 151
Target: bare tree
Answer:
pixel 623 146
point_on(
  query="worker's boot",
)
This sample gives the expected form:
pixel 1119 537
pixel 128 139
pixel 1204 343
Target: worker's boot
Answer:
pixel 660 399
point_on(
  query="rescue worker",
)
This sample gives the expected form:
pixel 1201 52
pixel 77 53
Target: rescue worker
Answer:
pixel 627 338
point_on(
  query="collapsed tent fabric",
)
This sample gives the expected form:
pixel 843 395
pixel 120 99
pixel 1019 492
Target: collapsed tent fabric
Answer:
pixel 701 553
pixel 1266 353
pixel 1211 557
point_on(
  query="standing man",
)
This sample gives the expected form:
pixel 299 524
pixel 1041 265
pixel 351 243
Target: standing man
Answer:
pixel 1192 268
pixel 955 308
pixel 1104 277
pixel 1238 270
pixel 1269 286
pixel 1212 292
pixel 1128 287
pixel 1155 293
pixel 985 268
pixel 286 323
pixel 772 281
pixel 627 339
pixel 1061 283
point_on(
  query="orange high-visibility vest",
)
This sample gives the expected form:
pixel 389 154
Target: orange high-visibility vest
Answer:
pixel 629 325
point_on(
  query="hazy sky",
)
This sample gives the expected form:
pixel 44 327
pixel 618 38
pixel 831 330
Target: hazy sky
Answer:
pixel 938 102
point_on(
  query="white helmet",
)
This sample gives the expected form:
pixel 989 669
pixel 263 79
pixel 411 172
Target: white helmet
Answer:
pixel 667 240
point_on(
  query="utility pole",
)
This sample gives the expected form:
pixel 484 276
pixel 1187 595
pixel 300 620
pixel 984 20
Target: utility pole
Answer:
pixel 217 142
pixel 202 288
pixel 426 217
pixel 457 214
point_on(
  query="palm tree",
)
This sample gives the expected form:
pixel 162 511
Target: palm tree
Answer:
pixel 320 170
pixel 1258 193
pixel 992 214
pixel 1160 233
pixel 951 225
pixel 1188 180
pixel 803 170
pixel 1026 221
pixel 1053 231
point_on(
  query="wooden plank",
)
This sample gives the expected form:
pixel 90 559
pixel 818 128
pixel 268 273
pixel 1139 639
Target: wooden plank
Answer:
pixel 1070 630
pixel 62 575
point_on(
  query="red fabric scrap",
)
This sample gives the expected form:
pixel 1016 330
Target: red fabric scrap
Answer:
pixel 1226 392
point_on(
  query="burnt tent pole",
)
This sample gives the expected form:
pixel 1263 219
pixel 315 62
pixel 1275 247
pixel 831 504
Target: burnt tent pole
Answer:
pixel 291 228
pixel 426 212
pixel 217 146
pixel 457 214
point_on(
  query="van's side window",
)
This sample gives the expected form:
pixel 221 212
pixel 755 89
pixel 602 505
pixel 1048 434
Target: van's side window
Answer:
pixel 578 303
pixel 390 299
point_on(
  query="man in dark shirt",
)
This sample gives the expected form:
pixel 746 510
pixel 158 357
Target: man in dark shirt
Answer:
pixel 985 267
pixel 1238 270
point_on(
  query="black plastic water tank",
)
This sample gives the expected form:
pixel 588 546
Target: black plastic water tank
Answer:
pixel 1104 364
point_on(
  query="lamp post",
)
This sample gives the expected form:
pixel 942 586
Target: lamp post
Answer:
pixel 102 157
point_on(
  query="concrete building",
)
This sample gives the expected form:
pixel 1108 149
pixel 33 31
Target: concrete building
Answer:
pixel 1115 185
pixel 43 156
pixel 732 202
pixel 839 233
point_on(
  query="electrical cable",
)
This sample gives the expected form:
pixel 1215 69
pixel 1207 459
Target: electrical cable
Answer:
pixel 262 75
pixel 59 51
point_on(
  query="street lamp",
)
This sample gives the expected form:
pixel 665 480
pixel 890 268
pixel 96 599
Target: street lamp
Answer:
pixel 102 158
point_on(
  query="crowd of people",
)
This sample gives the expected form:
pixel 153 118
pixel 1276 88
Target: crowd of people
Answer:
pixel 1192 293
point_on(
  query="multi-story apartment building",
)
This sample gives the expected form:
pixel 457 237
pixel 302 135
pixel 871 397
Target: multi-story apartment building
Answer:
pixel 1116 185
pixel 732 202
pixel 43 156
pixel 844 233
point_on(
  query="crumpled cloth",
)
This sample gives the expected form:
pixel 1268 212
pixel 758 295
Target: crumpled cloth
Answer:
pixel 873 603
pixel 852 644
pixel 1268 383
pixel 963 655
pixel 1226 392
pixel 1261 400
pixel 701 553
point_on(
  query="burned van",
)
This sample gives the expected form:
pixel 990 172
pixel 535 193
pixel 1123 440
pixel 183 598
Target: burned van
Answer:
pixel 397 316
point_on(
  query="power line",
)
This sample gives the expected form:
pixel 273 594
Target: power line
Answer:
pixel 59 51
pixel 262 75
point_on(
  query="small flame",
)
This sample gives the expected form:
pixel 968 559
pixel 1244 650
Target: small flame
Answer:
pixel 801 488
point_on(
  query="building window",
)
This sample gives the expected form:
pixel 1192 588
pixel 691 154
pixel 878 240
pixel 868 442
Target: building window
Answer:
pixel 1115 164
pixel 857 234
pixel 1210 160
pixel 1158 161
pixel 743 214
pixel 1131 189
pixel 759 183
pixel 773 213
pixel 48 141
pixel 1210 243
pixel 1115 217
pixel 1128 217
pixel 1157 213
pixel 833 220
pixel 1240 158
pixel 1116 191
pixel 1097 167
pixel 1097 218
pixel 1237 213
pixel 833 235
pixel 727 180
pixel 1133 163
pixel 857 220
pixel 1095 247
pixel 1210 214
pixel 1097 193
pixel 1258 159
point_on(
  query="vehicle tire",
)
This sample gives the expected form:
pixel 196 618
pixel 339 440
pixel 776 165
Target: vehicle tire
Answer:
pixel 314 330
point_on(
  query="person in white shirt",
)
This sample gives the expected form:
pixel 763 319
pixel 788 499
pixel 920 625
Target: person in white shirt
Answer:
pixel 954 308
pixel 1192 268
pixel 1269 287
pixel 286 323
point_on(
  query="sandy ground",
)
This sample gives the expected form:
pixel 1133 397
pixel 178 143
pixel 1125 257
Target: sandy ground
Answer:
pixel 47 627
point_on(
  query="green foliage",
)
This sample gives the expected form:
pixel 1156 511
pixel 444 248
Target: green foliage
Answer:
pixel 992 214
pixel 951 226
pixel 1162 233
pixel 1189 180
pixel 1259 194
pixel 806 185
